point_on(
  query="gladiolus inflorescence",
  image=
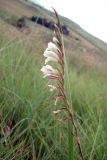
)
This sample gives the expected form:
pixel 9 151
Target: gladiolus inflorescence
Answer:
pixel 54 54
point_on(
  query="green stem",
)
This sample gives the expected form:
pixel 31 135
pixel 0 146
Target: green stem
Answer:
pixel 70 141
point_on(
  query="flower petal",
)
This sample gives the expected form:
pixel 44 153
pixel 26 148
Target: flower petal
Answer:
pixel 55 40
pixel 53 77
pixel 53 88
pixel 49 71
pixel 48 53
pixel 46 68
pixel 52 47
pixel 50 59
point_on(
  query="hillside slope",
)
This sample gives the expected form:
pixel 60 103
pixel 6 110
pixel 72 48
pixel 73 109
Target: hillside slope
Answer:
pixel 84 50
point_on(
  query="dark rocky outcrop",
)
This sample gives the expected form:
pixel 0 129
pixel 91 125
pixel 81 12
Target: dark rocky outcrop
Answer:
pixel 49 24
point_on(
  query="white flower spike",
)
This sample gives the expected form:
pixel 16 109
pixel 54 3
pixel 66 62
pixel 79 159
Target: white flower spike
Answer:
pixel 55 53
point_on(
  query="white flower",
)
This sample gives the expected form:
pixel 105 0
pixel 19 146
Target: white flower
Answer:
pixel 52 53
pixel 51 56
pixel 53 88
pixel 50 59
pixel 53 47
pixel 48 71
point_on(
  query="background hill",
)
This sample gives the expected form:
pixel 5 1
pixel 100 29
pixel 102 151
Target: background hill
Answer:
pixel 83 47
pixel 28 128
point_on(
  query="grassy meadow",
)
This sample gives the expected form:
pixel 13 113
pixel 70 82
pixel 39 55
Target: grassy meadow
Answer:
pixel 28 128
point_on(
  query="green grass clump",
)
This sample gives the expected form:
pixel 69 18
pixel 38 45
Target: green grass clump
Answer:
pixel 28 128
pixel 90 104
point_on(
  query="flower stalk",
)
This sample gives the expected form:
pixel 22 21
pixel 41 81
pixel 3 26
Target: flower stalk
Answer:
pixel 55 53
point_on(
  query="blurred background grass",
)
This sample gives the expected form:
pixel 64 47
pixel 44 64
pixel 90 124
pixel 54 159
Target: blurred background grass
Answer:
pixel 28 127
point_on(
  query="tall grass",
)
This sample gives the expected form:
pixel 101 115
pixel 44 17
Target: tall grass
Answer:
pixel 28 129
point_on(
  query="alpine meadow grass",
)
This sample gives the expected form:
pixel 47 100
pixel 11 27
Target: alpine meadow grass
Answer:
pixel 28 128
